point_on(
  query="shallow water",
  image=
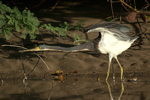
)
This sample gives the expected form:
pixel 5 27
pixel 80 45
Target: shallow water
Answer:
pixel 81 87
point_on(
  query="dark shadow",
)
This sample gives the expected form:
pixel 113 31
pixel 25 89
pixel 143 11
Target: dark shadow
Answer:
pixel 143 97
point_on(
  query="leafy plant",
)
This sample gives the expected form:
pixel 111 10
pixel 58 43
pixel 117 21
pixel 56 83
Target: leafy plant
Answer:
pixel 79 25
pixel 13 19
pixel 78 39
pixel 64 28
pixel 61 30
pixel 26 23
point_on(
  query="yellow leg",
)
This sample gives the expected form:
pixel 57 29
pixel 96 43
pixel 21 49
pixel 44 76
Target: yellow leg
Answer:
pixel 122 90
pixel 120 68
pixel 109 89
pixel 108 70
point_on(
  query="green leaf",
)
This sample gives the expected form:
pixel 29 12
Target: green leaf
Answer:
pixel 23 35
pixel 17 13
pixel 53 30
pixel 18 20
pixel 2 23
pixel 32 35
pixel 61 33
pixel 2 17
pixel 1 31
pixel 7 16
pixel 17 27
pixel 37 31
pixel 10 22
pixel 4 8
pixel 65 26
pixel 7 34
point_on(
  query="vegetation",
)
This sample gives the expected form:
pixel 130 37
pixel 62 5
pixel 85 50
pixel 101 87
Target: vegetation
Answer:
pixel 27 24
pixel 13 19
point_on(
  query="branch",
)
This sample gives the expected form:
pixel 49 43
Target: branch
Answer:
pixel 54 6
pixel 37 4
pixel 33 52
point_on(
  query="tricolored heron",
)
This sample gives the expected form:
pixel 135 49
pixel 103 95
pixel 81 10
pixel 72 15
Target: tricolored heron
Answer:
pixel 113 40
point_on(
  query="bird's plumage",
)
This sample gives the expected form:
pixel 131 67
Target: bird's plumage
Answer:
pixel 113 39
pixel 117 30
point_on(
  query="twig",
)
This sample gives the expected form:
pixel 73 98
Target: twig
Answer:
pixel 135 5
pixel 108 17
pixel 25 76
pixel 54 6
pixel 120 13
pixel 14 46
pixel 32 51
pixel 6 54
pixel 113 1
pixel 133 9
pixel 147 29
pixel 33 67
pixel 142 30
pixel 146 1
pixel 51 90
pixel 78 41
pixel 37 4
pixel 145 7
pixel 112 9
pixel 43 61
pixel 125 7
pixel 128 6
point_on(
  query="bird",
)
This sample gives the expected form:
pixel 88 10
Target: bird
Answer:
pixel 113 39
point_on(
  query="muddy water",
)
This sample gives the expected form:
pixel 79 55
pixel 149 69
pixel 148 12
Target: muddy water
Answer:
pixel 81 87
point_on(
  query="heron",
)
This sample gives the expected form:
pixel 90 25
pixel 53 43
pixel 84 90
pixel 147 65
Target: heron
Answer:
pixel 113 39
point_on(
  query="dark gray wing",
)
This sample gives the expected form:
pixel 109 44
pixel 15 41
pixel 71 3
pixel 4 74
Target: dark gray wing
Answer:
pixel 118 30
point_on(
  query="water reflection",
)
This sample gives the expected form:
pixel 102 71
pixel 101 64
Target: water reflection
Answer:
pixel 75 88
pixel 110 92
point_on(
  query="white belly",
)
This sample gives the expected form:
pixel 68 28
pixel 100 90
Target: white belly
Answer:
pixel 111 45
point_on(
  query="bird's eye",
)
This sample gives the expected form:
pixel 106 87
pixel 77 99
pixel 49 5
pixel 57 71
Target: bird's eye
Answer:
pixel 38 48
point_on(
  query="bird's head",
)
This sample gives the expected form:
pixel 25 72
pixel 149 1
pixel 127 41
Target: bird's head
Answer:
pixel 38 48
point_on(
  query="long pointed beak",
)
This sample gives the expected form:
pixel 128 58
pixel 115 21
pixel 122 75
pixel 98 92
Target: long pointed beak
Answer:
pixel 28 50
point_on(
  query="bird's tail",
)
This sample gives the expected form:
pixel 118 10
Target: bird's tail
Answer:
pixel 133 39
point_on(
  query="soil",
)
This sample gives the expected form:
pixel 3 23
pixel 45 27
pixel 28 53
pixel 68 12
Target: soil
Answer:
pixel 135 60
